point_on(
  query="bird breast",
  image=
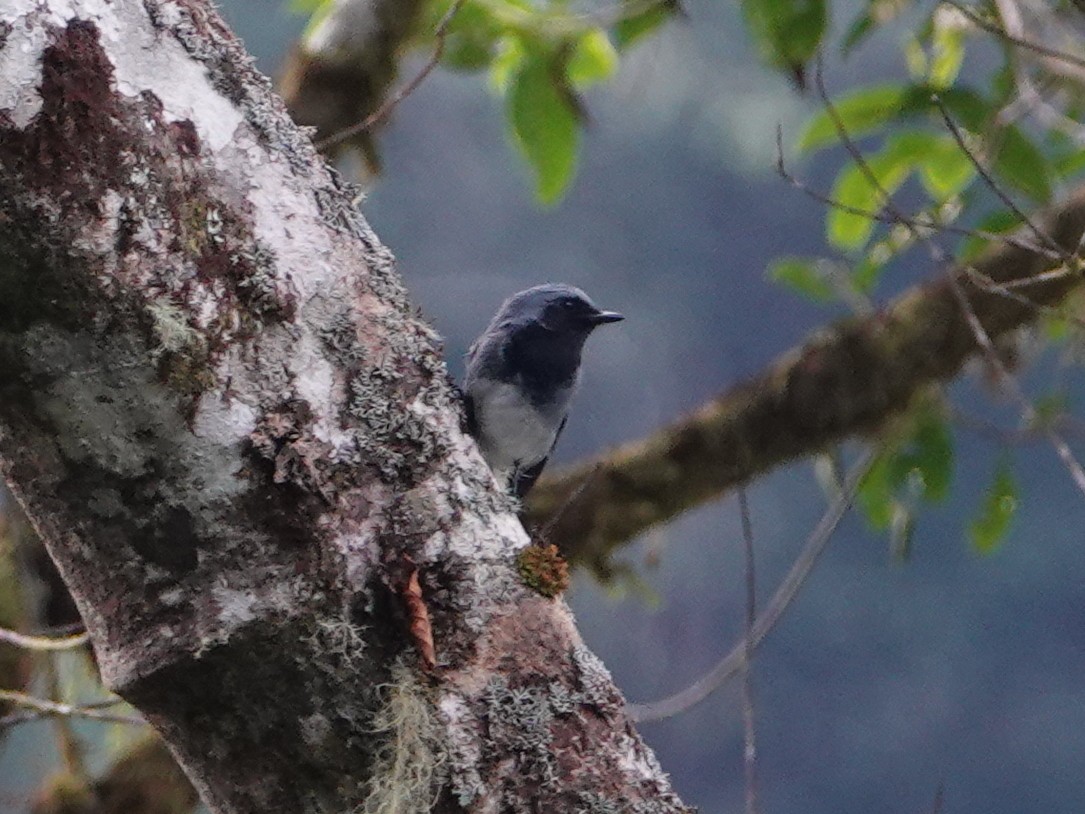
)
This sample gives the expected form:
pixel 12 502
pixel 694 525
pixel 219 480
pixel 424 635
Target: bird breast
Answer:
pixel 514 433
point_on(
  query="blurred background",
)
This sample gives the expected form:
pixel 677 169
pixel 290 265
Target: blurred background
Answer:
pixel 887 677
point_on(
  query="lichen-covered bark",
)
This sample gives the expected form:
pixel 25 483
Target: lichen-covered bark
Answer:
pixel 239 445
pixel 848 379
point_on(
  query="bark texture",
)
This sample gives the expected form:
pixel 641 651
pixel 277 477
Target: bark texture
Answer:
pixel 240 446
pixel 846 380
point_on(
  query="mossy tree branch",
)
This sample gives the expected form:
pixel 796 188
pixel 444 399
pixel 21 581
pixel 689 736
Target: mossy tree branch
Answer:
pixel 846 380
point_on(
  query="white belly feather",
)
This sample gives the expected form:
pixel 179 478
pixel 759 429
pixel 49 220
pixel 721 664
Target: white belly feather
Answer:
pixel 514 434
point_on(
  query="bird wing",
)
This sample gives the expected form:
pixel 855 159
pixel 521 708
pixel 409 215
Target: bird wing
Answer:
pixel 469 414
pixel 526 478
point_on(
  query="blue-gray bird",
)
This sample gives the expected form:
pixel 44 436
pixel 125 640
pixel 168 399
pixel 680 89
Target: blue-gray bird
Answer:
pixel 521 375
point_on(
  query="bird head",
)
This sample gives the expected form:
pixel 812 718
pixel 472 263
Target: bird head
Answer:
pixel 557 307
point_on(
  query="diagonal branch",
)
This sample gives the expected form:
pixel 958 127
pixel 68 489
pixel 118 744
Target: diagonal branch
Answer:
pixel 846 380
pixel 737 659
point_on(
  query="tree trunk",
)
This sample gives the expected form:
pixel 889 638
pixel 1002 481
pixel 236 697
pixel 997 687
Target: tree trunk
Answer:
pixel 240 447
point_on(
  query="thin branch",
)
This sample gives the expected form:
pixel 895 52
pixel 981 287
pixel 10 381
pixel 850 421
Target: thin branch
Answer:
pixel 35 708
pixel 748 722
pixel 733 662
pixel 1066 424
pixel 389 104
pixel 898 219
pixel 985 174
pixel 42 643
pixel 985 283
pixel 543 535
pixel 916 224
pixel 939 796
pixel 1020 42
pixel 1030 101
pixel 1028 411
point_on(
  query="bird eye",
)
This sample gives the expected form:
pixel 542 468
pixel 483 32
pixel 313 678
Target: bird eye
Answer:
pixel 568 304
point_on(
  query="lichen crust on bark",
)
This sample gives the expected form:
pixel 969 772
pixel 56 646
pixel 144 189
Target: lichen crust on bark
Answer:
pixel 239 442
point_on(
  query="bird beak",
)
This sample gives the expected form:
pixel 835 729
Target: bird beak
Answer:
pixel 603 317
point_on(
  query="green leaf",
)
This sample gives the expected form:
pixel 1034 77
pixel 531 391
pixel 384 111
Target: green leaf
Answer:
pixel 967 106
pixel 630 30
pixel 506 62
pixel 931 455
pixel 1021 164
pixel 1056 327
pixel 1000 222
pixel 861 28
pixel 594 59
pixel 915 58
pixel 944 170
pixel 317 11
pixel 866 274
pixel 545 123
pixel 869 109
pixel 877 12
pixel 472 39
pixel 947 54
pixel 860 112
pixel 918 464
pixel 1069 164
pixel 848 230
pixel 801 276
pixel 989 527
pixel 876 492
pixel 787 32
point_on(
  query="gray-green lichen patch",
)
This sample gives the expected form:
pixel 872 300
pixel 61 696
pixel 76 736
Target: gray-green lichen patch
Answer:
pixel 591 802
pixel 519 718
pixel 231 72
pixel 518 722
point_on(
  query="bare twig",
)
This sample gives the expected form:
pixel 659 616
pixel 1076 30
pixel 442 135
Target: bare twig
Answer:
pixel 896 218
pixel 939 796
pixel 68 744
pixel 914 225
pixel 1066 424
pixel 35 708
pixel 985 174
pixel 733 662
pixel 389 104
pixel 748 723
pixel 984 283
pixel 1020 42
pixel 544 534
pixel 42 643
